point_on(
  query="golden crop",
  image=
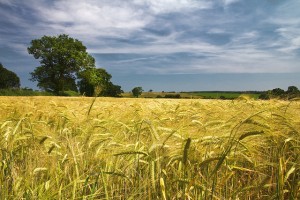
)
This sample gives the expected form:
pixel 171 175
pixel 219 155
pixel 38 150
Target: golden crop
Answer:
pixel 106 148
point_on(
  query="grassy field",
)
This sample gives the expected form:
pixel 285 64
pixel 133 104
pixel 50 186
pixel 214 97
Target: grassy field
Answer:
pixel 106 148
pixel 195 95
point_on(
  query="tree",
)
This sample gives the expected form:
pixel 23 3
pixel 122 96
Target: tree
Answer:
pixel 264 96
pixel 277 92
pixel 62 59
pixel 292 90
pixel 8 79
pixel 96 82
pixel 137 91
pixel 112 90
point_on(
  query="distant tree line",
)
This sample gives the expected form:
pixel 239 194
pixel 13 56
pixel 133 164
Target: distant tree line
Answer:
pixel 278 93
pixel 170 96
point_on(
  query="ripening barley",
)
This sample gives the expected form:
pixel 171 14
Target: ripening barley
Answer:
pixel 106 148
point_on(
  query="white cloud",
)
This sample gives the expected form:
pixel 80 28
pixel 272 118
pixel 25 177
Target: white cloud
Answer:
pixel 18 47
pixel 216 31
pixel 117 14
pixel 88 16
pixel 296 41
pixel 228 2
pixel 290 39
pixel 104 17
pixel 166 6
pixel 245 37
pixel 287 19
pixel 107 26
pixel 7 2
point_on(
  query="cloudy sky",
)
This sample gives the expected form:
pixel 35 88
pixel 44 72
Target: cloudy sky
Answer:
pixel 165 44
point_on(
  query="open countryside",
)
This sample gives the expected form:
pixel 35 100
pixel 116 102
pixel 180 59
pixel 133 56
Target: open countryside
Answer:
pixel 149 100
pixel 82 137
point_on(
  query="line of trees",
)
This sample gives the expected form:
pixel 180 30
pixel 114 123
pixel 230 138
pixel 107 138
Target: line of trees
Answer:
pixel 291 92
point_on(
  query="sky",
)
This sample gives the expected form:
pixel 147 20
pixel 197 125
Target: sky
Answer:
pixel 165 45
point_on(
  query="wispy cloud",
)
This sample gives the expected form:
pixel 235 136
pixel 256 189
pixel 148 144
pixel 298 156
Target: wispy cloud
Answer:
pixel 170 36
pixel 287 22
pixel 228 2
pixel 167 6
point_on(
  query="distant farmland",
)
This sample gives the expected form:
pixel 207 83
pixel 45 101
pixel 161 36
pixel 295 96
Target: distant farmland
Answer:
pixel 198 95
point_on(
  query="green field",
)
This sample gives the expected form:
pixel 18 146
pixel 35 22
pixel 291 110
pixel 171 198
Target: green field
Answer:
pixel 129 148
pixel 197 95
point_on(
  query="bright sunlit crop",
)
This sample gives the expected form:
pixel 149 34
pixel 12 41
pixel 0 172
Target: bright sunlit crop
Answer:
pixel 108 148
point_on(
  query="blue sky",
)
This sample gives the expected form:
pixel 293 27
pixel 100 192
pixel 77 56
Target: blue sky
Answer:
pixel 165 44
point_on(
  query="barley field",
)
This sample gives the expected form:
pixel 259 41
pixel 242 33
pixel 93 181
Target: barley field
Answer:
pixel 107 148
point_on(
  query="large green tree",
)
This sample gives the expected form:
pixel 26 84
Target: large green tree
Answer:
pixel 96 82
pixel 62 59
pixel 8 79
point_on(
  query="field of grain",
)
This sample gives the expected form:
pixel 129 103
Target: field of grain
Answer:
pixel 106 148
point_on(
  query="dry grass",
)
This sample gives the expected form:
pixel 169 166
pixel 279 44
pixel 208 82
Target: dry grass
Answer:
pixel 105 148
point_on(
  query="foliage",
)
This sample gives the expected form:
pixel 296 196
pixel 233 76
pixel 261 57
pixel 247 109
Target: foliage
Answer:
pixel 137 91
pixel 69 93
pixel 277 92
pixel 111 90
pixel 264 96
pixel 104 148
pixel 62 58
pixel 173 96
pixel 290 93
pixel 97 82
pixel 23 92
pixel 292 90
pixel 8 79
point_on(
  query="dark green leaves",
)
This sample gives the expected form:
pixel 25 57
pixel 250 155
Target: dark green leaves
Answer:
pixel 62 58
pixel 8 79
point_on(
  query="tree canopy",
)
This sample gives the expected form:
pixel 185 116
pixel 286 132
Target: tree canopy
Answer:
pixel 8 79
pixel 137 91
pixel 62 59
pixel 290 93
pixel 277 92
pixel 292 90
pixel 96 82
